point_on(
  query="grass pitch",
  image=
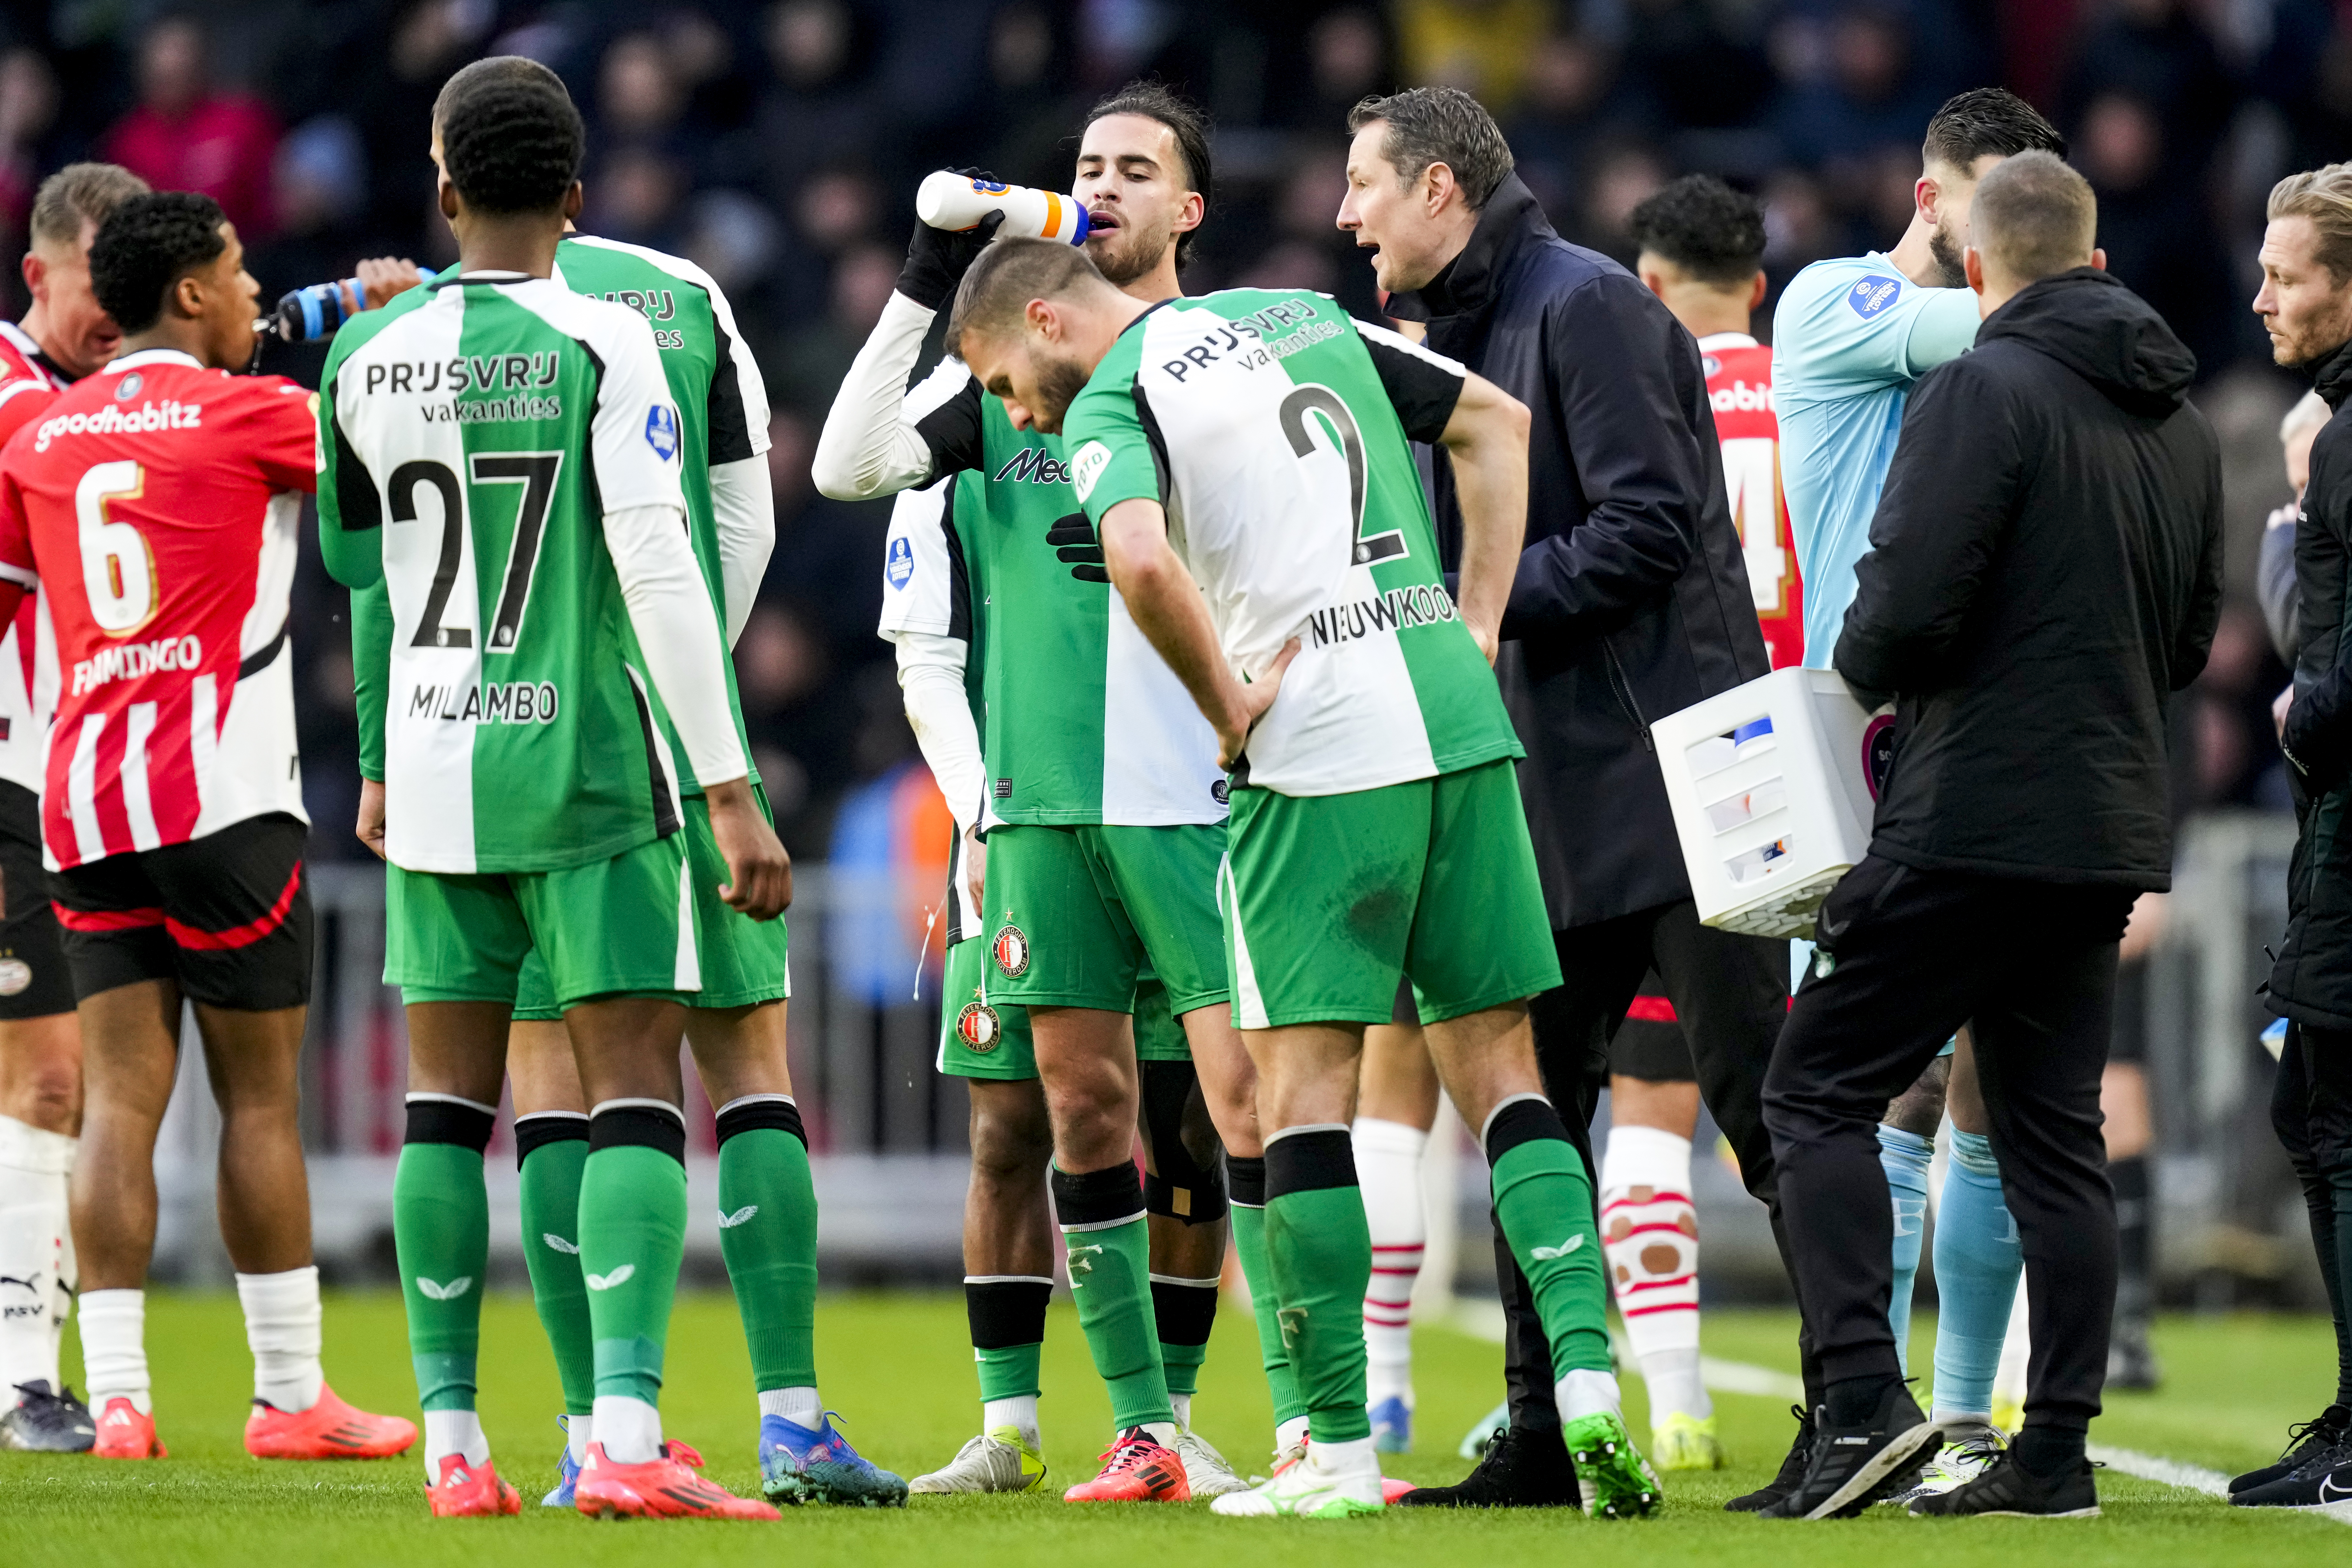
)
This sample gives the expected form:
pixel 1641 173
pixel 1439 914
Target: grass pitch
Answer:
pixel 899 1367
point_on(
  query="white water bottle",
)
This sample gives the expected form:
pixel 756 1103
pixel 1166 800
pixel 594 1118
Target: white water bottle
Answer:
pixel 956 202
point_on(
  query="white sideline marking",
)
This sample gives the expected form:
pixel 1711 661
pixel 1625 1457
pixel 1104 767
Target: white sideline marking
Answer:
pixel 1483 1320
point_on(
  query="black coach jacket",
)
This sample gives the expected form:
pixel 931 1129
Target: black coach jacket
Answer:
pixel 2044 572
pixel 2312 981
pixel 1631 600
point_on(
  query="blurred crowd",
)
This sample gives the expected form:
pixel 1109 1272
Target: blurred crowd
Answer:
pixel 779 144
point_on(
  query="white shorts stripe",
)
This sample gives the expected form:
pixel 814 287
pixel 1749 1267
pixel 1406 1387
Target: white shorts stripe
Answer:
pixel 1249 1005
pixel 688 970
pixel 81 791
pixel 136 803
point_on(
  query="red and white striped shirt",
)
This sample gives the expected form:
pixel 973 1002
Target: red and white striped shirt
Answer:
pixel 29 382
pixel 157 503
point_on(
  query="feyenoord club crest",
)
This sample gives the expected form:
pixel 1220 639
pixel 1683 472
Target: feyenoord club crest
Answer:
pixel 979 1027
pixel 1011 951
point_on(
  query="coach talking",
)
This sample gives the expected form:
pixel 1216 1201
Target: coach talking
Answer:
pixel 2044 572
pixel 1631 601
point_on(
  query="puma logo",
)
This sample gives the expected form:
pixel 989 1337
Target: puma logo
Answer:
pixel 729 1221
pixel 1549 1254
pixel 618 1277
pixel 556 1243
pixel 434 1290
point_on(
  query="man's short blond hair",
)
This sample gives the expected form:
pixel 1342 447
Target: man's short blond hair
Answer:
pixel 995 294
pixel 2034 218
pixel 80 193
pixel 2325 197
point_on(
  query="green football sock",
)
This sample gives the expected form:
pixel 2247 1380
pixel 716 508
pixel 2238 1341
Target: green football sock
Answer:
pixel 441 1237
pixel 1543 1200
pixel 1246 1181
pixel 555 1149
pixel 767 1230
pixel 1109 1246
pixel 1008 1334
pixel 632 1236
pixel 1184 1312
pixel 1321 1252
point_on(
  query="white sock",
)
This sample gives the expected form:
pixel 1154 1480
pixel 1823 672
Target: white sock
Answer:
pixel 1649 1233
pixel 1582 1393
pixel 1183 1404
pixel 450 1432
pixel 1290 1434
pixel 1353 1454
pixel 1388 1169
pixel 800 1407
pixel 36 1240
pixel 1020 1411
pixel 629 1429
pixel 2016 1352
pixel 1162 1432
pixel 281 1327
pixel 114 1348
pixel 579 1432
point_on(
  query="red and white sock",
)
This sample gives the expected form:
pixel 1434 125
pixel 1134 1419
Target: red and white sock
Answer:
pixel 1388 1169
pixel 1649 1232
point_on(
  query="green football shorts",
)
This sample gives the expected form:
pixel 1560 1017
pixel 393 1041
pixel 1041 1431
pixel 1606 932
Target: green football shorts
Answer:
pixel 1077 915
pixel 744 961
pixel 983 1036
pixel 1327 898
pixel 622 926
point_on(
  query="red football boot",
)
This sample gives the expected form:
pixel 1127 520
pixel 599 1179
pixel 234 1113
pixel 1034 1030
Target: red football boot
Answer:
pixel 470 1491
pixel 330 1430
pixel 1137 1468
pixel 658 1489
pixel 125 1432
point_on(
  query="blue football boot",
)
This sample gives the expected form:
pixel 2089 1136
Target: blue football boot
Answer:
pixel 1391 1427
pixel 797 1465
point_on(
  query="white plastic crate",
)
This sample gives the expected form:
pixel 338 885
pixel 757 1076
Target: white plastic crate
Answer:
pixel 1771 785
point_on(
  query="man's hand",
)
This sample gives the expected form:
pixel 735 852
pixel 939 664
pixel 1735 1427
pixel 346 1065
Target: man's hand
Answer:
pixel 370 826
pixel 383 277
pixel 759 872
pixel 975 870
pixel 1249 704
pixel 937 259
pixel 1489 642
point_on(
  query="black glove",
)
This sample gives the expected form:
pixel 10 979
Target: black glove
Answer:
pixel 937 259
pixel 1078 549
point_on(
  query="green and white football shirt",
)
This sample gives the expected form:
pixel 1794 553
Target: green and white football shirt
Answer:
pixel 473 449
pixel 1082 721
pixel 1273 426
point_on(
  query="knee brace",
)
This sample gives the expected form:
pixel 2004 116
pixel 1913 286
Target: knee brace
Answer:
pixel 1182 1188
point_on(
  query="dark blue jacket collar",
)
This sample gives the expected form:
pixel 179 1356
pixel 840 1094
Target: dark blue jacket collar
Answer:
pixel 1511 220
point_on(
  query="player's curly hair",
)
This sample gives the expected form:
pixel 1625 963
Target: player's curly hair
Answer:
pixel 147 245
pixel 1704 226
pixel 511 143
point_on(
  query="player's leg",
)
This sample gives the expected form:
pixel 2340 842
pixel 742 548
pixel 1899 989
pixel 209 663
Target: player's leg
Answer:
pixel 1979 1269
pixel 40 1117
pixel 454 944
pixel 1907 1146
pixel 1199 1093
pixel 1396 1105
pixel 2131 1136
pixel 619 939
pixel 1649 1226
pixel 1008 1247
pixel 1061 947
pixel 551 1132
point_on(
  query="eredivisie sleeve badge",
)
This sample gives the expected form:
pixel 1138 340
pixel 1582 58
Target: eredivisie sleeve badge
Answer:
pixel 1011 951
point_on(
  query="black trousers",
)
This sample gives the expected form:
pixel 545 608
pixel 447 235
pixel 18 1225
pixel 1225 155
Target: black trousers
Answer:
pixel 1730 992
pixel 2311 1106
pixel 1911 955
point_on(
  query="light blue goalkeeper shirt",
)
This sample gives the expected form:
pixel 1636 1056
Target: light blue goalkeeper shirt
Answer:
pixel 1849 339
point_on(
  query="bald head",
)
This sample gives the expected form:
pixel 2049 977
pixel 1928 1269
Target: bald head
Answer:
pixel 2034 218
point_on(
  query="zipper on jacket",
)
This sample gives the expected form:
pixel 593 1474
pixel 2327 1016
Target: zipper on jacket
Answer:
pixel 1624 690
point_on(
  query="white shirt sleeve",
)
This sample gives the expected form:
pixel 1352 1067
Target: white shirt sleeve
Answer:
pixel 921 591
pixel 931 675
pixel 869 445
pixel 670 609
pixel 744 508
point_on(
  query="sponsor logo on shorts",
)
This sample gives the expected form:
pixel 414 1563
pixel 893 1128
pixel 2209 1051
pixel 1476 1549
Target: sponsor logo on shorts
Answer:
pixel 899 566
pixel 979 1027
pixel 1878 752
pixel 1873 294
pixel 1221 792
pixel 15 975
pixel 1011 951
